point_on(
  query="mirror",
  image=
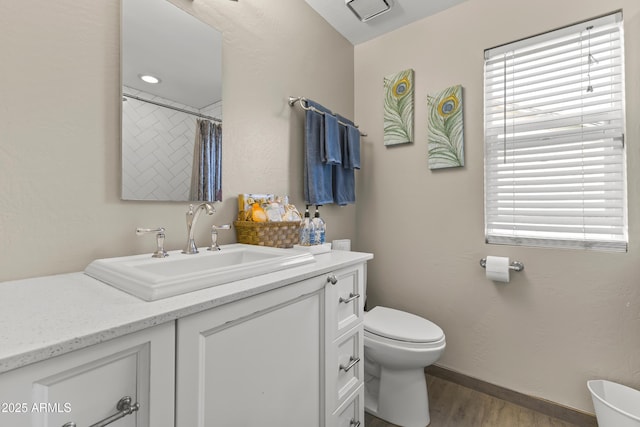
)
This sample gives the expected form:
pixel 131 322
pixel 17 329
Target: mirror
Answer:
pixel 163 122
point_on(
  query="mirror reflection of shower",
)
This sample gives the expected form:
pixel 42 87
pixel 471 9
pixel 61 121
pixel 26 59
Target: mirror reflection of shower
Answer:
pixel 160 120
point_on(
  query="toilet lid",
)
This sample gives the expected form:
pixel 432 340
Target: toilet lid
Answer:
pixel 401 326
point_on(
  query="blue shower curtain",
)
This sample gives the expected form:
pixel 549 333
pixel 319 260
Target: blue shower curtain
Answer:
pixel 206 182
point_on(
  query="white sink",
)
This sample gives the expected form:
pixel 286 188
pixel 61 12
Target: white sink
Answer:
pixel 155 278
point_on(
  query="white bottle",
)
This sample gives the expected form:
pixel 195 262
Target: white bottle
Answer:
pixel 320 227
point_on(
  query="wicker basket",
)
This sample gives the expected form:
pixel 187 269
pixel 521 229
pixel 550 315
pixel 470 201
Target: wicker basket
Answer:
pixel 277 234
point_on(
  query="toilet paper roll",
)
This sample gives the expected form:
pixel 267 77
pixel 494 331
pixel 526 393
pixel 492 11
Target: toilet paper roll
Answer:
pixel 498 268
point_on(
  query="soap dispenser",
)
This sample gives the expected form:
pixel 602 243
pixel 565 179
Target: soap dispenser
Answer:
pixel 307 232
pixel 319 227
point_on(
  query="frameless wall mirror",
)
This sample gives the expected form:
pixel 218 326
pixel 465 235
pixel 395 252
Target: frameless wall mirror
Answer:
pixel 171 104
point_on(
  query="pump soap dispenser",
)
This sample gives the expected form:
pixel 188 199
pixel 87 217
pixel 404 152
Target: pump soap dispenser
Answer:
pixel 319 226
pixel 307 232
pixel 312 233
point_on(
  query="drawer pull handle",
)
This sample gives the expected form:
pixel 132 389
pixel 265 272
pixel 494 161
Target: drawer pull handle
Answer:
pixel 332 279
pixel 352 362
pixel 351 298
pixel 124 407
pixel 354 423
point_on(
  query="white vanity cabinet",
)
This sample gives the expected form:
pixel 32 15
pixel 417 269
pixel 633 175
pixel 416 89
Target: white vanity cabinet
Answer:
pixel 84 386
pixel 281 349
pixel 274 359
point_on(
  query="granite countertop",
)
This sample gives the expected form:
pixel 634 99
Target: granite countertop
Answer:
pixel 48 316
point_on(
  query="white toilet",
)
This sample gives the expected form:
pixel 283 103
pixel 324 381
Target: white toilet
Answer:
pixel 397 348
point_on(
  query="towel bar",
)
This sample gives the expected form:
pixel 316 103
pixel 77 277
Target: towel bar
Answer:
pixel 301 100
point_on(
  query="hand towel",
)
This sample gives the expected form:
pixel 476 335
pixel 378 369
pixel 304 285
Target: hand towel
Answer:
pixel 318 176
pixel 344 184
pixel 330 148
pixel 351 156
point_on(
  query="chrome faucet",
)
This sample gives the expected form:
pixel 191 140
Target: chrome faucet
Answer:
pixel 214 236
pixel 160 252
pixel 192 218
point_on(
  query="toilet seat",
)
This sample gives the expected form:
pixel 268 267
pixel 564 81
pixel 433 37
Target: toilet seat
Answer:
pixel 396 325
pixel 372 340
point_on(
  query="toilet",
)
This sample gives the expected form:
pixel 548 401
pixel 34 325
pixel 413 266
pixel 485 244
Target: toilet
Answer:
pixel 397 348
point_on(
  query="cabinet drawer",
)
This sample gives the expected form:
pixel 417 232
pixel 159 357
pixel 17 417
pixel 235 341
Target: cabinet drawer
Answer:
pixel 85 386
pixel 345 367
pixel 351 413
pixel 345 300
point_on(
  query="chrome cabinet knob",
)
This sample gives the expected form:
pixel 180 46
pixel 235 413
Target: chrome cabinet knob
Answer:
pixel 332 279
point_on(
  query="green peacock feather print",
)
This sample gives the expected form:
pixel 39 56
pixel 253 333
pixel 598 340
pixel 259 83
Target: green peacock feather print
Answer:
pixel 446 137
pixel 398 108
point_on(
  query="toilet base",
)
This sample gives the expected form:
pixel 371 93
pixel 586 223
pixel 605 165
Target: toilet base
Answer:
pixel 399 397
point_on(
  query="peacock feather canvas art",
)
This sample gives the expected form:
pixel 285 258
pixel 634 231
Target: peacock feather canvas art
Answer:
pixel 398 108
pixel 445 129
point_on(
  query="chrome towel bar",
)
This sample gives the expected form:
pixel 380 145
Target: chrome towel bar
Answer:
pixel 515 265
pixel 302 100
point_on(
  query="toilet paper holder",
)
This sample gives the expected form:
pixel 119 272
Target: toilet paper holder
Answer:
pixel 515 265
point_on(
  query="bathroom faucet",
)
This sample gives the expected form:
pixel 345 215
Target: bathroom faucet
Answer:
pixel 192 218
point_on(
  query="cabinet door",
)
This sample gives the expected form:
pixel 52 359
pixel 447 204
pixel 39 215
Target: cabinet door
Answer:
pixel 84 386
pixel 256 362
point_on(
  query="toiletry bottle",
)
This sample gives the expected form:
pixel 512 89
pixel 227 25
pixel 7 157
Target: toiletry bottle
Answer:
pixel 307 234
pixel 320 227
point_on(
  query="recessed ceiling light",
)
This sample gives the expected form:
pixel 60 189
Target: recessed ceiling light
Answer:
pixel 147 78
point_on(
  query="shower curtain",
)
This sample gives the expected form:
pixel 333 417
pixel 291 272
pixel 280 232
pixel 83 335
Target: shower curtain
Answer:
pixel 206 182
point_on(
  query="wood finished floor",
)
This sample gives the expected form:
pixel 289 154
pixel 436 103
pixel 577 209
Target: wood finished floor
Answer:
pixel 452 405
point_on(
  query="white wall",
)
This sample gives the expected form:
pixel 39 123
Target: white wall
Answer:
pixel 60 102
pixel 571 315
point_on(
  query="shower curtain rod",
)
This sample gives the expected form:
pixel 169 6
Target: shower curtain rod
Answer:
pixel 293 100
pixel 160 104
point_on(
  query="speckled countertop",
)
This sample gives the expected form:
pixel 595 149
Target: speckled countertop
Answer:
pixel 48 316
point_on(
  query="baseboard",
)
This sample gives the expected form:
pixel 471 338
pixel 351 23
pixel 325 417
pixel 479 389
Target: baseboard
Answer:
pixel 552 409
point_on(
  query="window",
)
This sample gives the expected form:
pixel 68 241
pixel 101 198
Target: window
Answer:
pixel 554 139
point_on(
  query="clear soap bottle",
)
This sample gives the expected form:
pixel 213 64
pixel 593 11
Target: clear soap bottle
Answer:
pixel 307 232
pixel 319 226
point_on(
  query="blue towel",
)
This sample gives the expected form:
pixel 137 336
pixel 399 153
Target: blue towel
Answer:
pixel 318 176
pixel 351 154
pixel 330 149
pixel 344 181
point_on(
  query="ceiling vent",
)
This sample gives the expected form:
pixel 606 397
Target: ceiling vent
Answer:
pixel 368 9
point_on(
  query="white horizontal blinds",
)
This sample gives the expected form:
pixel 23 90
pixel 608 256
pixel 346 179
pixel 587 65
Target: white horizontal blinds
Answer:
pixel 554 153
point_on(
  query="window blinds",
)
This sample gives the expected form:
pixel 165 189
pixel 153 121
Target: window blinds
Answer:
pixel 554 141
